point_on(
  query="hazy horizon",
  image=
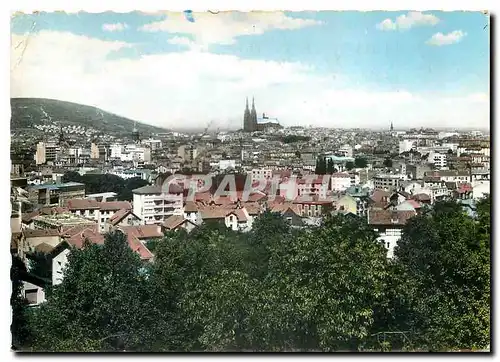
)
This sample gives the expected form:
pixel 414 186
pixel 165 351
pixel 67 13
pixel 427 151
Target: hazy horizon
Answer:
pixel 334 69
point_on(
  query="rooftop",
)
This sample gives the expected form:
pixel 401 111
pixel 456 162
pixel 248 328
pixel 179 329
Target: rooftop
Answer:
pixel 63 219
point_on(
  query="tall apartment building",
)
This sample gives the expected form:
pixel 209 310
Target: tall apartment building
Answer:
pixel 388 182
pixel 45 152
pixel 100 151
pixel 153 204
pixel 439 160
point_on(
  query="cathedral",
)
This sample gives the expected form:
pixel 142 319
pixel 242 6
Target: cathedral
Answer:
pixel 250 118
pixel 251 123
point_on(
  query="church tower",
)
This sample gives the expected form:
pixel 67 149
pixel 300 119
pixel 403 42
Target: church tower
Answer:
pixel 246 119
pixel 135 134
pixel 392 127
pixel 253 117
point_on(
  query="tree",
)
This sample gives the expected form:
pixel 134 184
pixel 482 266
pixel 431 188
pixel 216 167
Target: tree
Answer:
pixel 104 303
pixel 349 165
pixel 330 166
pixel 41 265
pixel 19 328
pixel 445 257
pixel 130 185
pixel 321 166
pixel 360 162
pixel 322 286
pixel 387 163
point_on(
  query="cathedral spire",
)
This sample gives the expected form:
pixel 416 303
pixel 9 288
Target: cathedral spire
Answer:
pixel 246 119
pixel 253 117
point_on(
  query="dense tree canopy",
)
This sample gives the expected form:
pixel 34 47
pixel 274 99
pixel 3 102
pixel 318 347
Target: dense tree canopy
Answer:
pixel 360 162
pixel 97 183
pixel 278 288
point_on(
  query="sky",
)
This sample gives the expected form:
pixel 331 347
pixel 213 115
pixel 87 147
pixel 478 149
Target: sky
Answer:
pixel 333 69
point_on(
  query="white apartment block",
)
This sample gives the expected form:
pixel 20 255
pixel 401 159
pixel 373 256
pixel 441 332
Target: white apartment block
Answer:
pixel 439 160
pixel 340 181
pixel 153 205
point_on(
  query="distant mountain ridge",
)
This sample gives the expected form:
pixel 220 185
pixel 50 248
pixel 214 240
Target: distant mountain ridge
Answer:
pixel 27 112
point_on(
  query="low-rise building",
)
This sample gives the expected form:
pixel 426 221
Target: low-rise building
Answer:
pixel 389 224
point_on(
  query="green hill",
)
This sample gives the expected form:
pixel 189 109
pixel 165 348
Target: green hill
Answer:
pixel 27 112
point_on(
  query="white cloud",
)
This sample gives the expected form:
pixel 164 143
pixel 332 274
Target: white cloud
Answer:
pixel 440 39
pixel 114 27
pixel 188 89
pixel 225 27
pixel 413 18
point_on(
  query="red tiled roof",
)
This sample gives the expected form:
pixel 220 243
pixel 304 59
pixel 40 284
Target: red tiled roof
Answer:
pixel 115 205
pixel 421 197
pixel 239 213
pixel 28 217
pixel 68 231
pixel 190 206
pixel 82 204
pixel 120 215
pixel 379 195
pixel 252 208
pixel 174 221
pixel 52 210
pixel 44 248
pixel 212 212
pixel 143 231
pixel 32 233
pixel 137 246
pixel 389 217
pixel 91 235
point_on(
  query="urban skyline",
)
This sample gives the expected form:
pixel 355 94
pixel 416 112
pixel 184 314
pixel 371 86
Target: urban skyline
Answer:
pixel 415 69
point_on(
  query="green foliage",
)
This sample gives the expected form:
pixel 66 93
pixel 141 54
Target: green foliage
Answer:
pixel 278 288
pixel 295 138
pixel 98 183
pixel 20 329
pixel 324 166
pixel 360 162
pixel 444 260
pixel 27 112
pixel 101 303
pixel 41 265
pixel 349 165
pixel 387 162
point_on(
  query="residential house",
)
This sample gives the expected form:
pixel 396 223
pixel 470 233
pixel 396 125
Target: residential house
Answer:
pixel 177 222
pixel 389 224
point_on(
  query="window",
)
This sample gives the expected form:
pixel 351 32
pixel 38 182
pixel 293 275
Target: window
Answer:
pixel 31 296
pixel 289 219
